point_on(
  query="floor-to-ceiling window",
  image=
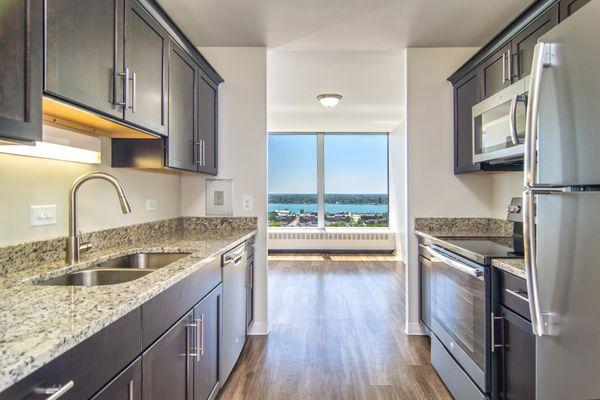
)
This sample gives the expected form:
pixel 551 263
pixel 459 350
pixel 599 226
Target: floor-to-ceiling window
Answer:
pixel 328 180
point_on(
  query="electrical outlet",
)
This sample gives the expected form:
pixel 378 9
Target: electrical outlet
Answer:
pixel 42 215
pixel 247 202
pixel 151 204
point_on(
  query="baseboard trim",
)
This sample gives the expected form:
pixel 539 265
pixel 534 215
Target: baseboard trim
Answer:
pixel 415 329
pixel 258 329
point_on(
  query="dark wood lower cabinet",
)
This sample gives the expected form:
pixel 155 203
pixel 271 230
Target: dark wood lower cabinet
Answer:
pixel 126 386
pixel 514 365
pixel 166 364
pixel 183 363
pixel 207 316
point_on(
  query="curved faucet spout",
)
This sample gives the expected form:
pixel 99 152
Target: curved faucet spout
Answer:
pixel 73 241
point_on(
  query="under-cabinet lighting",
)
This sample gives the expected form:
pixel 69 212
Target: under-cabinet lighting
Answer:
pixel 60 144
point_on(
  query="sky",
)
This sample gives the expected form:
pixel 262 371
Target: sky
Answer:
pixel 354 164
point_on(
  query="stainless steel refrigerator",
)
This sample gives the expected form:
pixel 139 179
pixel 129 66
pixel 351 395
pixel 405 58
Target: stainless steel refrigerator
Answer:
pixel 562 207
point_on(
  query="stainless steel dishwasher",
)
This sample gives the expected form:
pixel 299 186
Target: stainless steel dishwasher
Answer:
pixel 234 308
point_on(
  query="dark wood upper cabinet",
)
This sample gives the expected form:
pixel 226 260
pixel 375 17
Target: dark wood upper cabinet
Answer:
pixel 523 44
pixel 207 125
pixel 21 49
pixel 466 95
pixel 206 364
pixel 166 364
pixel 84 48
pixel 494 73
pixel 568 7
pixel 182 151
pixel 146 58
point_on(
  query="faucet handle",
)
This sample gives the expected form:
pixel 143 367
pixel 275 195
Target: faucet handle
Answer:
pixel 83 246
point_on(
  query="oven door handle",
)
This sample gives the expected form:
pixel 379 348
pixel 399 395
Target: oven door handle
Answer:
pixel 476 272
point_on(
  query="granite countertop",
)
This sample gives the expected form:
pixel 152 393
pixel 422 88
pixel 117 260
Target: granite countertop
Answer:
pixel 515 266
pixel 41 322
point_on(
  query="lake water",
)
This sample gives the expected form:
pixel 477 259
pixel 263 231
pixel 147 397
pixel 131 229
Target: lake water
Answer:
pixel 332 208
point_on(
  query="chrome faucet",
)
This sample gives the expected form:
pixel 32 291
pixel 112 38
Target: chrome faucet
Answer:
pixel 74 241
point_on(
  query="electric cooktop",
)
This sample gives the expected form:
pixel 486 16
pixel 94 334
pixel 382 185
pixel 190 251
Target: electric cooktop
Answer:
pixel 483 250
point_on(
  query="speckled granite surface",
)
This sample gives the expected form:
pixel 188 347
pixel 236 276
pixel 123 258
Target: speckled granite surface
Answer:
pixel 464 227
pixel 40 322
pixel 515 266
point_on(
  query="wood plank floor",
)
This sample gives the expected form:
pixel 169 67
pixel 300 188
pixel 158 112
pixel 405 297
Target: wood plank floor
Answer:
pixel 336 333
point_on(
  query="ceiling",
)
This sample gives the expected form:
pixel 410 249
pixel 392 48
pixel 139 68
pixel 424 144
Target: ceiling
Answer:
pixel 371 83
pixel 342 24
pixel 351 47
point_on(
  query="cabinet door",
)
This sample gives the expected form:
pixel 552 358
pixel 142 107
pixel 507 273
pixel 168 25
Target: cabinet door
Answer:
pixel 21 70
pixel 207 125
pixel 126 386
pixel 181 150
pixel 146 52
pixel 515 357
pixel 524 43
pixel 84 48
pixel 207 316
pixel 465 97
pixel 568 7
pixel 494 72
pixel 425 282
pixel 166 365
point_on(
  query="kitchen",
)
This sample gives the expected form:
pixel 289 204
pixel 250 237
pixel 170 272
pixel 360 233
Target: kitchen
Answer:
pixel 143 271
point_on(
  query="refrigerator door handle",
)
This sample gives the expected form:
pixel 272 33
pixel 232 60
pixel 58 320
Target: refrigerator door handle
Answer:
pixel 540 321
pixel 541 59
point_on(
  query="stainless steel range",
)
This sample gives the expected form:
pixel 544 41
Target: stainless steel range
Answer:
pixel 458 275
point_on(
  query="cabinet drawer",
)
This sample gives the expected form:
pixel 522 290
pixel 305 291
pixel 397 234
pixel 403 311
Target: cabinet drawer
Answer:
pixel 89 365
pixel 512 293
pixel 161 312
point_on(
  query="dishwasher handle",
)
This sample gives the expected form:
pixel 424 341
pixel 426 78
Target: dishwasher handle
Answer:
pixel 236 255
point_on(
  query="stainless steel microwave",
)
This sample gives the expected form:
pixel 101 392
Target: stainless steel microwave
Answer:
pixel 499 125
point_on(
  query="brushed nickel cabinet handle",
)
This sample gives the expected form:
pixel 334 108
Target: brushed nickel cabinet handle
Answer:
pixel 130 390
pixel 133 89
pixel 55 392
pixel 509 66
pixel 504 68
pixel 125 76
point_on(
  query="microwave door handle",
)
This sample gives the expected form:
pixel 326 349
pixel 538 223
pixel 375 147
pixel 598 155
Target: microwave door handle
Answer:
pixel 541 59
pixel 513 119
pixel 476 272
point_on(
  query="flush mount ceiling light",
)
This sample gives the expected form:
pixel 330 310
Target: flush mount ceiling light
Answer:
pixel 329 100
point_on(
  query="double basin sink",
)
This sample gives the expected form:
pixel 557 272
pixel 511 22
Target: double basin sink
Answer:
pixel 119 270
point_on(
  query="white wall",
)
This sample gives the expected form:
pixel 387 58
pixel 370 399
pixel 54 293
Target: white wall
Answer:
pixel 397 187
pixel 505 186
pixel 242 150
pixel 26 181
pixel 432 188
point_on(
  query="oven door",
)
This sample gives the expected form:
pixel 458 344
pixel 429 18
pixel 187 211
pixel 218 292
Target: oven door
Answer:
pixel 459 307
pixel 499 125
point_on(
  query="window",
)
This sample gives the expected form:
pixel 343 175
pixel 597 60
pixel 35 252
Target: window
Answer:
pixel 293 180
pixel 328 180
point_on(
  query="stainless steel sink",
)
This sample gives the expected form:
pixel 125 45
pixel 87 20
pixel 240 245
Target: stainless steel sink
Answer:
pixel 97 277
pixel 119 270
pixel 143 261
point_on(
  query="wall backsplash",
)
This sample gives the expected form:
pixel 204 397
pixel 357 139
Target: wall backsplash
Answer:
pixel 26 181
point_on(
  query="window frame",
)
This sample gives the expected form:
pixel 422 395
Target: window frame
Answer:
pixel 321 177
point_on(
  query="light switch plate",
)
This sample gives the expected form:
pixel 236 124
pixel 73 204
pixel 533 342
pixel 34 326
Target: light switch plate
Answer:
pixel 219 197
pixel 247 202
pixel 42 215
pixel 151 204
